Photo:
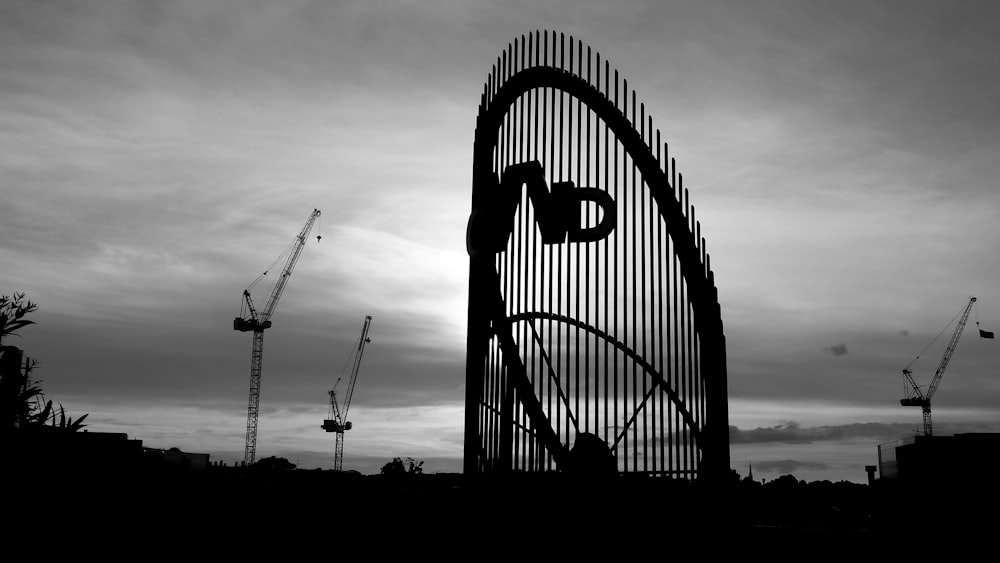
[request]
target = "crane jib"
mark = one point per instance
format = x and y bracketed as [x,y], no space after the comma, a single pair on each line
[338,422]
[915,397]
[256,323]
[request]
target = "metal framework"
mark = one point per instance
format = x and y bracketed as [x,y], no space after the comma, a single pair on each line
[917,398]
[336,419]
[593,312]
[250,321]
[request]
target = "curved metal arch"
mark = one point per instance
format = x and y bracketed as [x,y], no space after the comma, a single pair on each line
[700,282]
[487,316]
[631,354]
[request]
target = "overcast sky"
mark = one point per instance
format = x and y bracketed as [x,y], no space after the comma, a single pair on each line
[155,157]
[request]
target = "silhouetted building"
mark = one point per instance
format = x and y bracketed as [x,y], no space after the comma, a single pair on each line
[175,458]
[48,449]
[936,460]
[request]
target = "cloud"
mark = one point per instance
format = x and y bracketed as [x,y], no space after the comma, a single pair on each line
[792,433]
[788,466]
[837,350]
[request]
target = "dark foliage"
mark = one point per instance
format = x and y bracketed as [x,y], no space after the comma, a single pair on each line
[396,467]
[274,464]
[22,402]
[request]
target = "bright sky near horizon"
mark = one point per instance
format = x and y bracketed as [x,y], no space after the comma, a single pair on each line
[155,157]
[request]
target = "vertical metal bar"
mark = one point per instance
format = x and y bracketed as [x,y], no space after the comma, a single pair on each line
[682,374]
[492,402]
[511,418]
[541,102]
[678,317]
[668,339]
[635,307]
[550,166]
[690,334]
[684,337]
[532,154]
[653,307]
[574,151]
[530,281]
[660,250]
[642,285]
[502,455]
[484,453]
[522,267]
[691,382]
[483,414]
[510,63]
[533,51]
[516,302]
[701,375]
[606,186]
[682,315]
[674,290]
[495,404]
[650,308]
[496,397]
[515,68]
[699,395]
[559,249]
[626,268]
[529,347]
[586,285]
[614,262]
[600,265]
[520,113]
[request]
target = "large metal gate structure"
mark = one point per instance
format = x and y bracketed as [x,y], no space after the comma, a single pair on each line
[595,334]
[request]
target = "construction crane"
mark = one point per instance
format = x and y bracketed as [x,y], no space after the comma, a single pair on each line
[337,416]
[917,398]
[252,321]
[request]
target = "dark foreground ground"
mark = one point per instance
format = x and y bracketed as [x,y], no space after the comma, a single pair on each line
[237,512]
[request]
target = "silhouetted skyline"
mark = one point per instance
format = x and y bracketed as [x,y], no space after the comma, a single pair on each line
[155,158]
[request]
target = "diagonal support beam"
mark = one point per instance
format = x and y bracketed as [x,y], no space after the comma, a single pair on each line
[518,377]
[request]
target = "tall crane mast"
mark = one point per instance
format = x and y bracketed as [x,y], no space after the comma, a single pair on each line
[917,398]
[252,321]
[337,417]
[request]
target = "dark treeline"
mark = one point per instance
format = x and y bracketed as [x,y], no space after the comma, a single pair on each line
[153,497]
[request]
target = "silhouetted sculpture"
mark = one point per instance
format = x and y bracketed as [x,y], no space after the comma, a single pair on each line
[592,306]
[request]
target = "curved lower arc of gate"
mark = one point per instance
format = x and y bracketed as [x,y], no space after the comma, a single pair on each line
[658,378]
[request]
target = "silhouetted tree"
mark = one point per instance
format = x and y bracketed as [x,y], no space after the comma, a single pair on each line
[12,310]
[274,464]
[22,402]
[397,467]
